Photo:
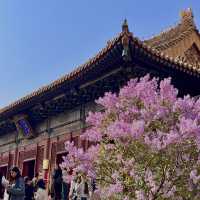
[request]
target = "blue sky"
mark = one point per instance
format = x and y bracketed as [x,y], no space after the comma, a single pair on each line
[41,40]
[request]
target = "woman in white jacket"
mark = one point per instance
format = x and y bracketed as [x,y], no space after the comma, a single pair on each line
[3,185]
[41,193]
[80,189]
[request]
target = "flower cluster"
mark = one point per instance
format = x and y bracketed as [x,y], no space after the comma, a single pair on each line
[147,143]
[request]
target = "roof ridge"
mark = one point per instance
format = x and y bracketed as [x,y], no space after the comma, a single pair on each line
[123,37]
[164,31]
[171,28]
[183,65]
[59,81]
[186,24]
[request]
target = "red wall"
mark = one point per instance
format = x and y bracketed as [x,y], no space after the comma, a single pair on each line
[45,149]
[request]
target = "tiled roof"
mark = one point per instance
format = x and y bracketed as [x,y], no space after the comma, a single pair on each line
[192,55]
[122,37]
[173,35]
[55,84]
[176,63]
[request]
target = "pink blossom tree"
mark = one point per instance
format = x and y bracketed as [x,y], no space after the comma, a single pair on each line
[147,144]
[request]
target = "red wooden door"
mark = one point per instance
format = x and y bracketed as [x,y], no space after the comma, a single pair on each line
[28,168]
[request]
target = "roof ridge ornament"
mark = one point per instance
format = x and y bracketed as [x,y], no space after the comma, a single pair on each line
[125,41]
[186,14]
[125,26]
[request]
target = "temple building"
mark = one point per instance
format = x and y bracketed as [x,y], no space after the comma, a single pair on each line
[33,129]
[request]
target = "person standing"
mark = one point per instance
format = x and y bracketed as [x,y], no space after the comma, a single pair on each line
[41,193]
[65,185]
[56,187]
[1,187]
[16,191]
[4,184]
[35,180]
[73,188]
[80,189]
[65,191]
[83,191]
[29,189]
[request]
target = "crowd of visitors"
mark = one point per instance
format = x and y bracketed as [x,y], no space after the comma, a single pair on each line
[24,188]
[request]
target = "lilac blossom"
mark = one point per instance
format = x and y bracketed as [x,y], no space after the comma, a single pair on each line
[146,144]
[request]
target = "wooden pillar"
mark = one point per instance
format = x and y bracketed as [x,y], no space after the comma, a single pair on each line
[16,156]
[36,159]
[9,164]
[46,159]
[47,149]
[84,143]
